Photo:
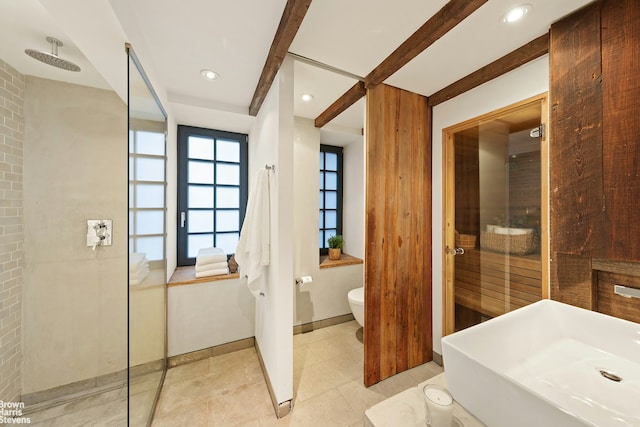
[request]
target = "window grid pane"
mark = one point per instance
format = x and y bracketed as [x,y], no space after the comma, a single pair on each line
[214,206]
[228,220]
[331,181]
[200,196]
[197,242]
[200,148]
[331,161]
[149,169]
[153,247]
[227,241]
[200,221]
[331,200]
[200,172]
[228,151]
[227,197]
[146,200]
[330,196]
[149,222]
[149,143]
[149,196]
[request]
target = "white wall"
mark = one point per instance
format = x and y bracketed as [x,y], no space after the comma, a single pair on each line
[353,198]
[204,315]
[213,313]
[326,296]
[271,142]
[522,83]
[75,298]
[493,147]
[171,241]
[306,152]
[147,319]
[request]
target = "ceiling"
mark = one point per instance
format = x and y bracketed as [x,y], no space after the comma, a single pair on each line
[175,40]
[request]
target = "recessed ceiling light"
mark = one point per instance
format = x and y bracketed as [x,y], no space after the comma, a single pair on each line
[516,14]
[307,97]
[209,75]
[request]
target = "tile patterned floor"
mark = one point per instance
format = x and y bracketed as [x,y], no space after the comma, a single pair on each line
[104,407]
[230,390]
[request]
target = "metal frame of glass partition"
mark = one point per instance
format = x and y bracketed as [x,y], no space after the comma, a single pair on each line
[133,65]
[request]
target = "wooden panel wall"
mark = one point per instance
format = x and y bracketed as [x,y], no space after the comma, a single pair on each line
[615,305]
[621,128]
[575,143]
[397,333]
[595,153]
[467,170]
[525,188]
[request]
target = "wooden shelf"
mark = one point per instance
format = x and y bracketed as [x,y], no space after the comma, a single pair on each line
[345,259]
[187,275]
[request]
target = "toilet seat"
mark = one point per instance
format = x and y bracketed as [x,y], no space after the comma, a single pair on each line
[356,302]
[356,296]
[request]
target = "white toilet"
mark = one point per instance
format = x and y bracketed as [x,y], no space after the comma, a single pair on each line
[356,302]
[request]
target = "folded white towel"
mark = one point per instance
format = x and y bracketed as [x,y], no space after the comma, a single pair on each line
[210,250]
[142,266]
[135,278]
[211,266]
[141,272]
[213,272]
[210,255]
[210,259]
[136,260]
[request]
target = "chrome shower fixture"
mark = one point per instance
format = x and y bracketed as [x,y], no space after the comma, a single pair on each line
[52,58]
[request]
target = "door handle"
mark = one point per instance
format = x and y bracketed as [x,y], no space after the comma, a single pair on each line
[183,218]
[454,251]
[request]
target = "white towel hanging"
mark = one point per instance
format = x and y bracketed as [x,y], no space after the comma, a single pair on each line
[253,250]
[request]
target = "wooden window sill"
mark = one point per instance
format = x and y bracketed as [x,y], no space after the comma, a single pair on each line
[187,276]
[345,259]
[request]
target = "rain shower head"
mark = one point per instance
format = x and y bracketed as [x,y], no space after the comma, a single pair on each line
[52,58]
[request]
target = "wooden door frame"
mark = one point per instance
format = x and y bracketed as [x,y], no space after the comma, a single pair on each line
[448,205]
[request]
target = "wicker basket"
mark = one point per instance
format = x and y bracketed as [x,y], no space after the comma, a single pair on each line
[514,244]
[466,241]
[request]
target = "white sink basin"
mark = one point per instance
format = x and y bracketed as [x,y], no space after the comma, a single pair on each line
[547,365]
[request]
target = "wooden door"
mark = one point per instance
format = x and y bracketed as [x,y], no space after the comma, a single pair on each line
[495,214]
[397,332]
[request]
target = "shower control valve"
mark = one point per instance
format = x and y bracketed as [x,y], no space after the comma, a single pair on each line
[99,232]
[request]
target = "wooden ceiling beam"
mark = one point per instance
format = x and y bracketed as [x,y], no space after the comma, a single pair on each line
[349,98]
[292,17]
[451,14]
[530,51]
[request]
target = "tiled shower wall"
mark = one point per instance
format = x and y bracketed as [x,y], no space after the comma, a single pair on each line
[12,86]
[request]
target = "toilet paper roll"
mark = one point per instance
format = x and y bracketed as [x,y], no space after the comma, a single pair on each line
[304,282]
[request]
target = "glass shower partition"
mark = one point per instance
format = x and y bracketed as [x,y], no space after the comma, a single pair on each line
[147,245]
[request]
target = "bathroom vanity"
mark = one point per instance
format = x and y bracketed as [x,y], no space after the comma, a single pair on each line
[547,364]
